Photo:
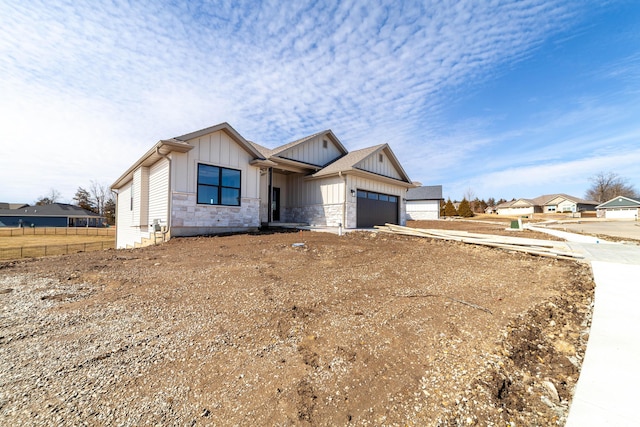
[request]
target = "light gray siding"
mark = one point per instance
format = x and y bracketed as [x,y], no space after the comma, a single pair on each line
[313,151]
[374,164]
[159,192]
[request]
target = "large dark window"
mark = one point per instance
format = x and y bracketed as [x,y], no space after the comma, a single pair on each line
[218,186]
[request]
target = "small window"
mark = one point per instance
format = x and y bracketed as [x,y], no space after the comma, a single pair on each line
[380,158]
[372,196]
[218,186]
[393,199]
[362,194]
[383,197]
[325,144]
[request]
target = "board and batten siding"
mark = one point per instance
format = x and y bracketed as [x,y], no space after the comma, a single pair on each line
[374,165]
[217,149]
[314,192]
[158,192]
[313,151]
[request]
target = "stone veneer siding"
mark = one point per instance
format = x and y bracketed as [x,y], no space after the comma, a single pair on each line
[189,218]
[324,215]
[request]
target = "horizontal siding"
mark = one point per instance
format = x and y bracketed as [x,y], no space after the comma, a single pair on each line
[158,191]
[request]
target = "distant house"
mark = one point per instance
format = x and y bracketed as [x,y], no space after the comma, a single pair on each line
[53,215]
[12,205]
[548,203]
[215,181]
[424,202]
[619,207]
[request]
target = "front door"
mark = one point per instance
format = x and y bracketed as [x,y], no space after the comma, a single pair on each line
[275,204]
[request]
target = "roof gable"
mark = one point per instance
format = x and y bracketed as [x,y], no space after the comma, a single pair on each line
[183,144]
[365,160]
[620,202]
[229,130]
[318,149]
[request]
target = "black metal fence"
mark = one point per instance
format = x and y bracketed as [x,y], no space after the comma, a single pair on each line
[39,251]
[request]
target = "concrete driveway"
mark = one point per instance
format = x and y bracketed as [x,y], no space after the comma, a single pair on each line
[623,229]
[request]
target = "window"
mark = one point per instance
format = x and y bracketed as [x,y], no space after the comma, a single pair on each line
[381,158]
[218,186]
[325,144]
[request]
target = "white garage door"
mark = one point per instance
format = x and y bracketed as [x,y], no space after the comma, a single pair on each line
[621,213]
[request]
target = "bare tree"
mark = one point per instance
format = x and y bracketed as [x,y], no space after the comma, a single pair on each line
[470,197]
[607,185]
[99,195]
[48,199]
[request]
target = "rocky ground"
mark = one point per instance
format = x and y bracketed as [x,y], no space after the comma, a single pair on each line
[292,329]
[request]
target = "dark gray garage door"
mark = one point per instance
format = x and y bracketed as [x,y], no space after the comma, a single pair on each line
[376,209]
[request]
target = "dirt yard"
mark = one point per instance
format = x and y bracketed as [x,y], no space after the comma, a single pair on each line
[292,329]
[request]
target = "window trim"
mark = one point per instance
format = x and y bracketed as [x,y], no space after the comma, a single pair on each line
[219,187]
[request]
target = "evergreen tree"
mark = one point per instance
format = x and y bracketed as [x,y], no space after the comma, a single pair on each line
[464,210]
[449,209]
[83,199]
[110,210]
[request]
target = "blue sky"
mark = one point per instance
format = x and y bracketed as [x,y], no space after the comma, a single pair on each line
[503,98]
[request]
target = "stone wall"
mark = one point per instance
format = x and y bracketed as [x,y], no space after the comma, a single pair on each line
[189,218]
[322,215]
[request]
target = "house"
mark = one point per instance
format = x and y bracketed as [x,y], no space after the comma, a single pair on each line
[214,181]
[53,215]
[619,207]
[424,202]
[548,203]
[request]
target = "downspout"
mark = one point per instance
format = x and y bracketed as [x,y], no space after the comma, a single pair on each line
[115,214]
[170,199]
[270,198]
[344,204]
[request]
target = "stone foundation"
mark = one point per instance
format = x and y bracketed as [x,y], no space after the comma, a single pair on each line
[190,219]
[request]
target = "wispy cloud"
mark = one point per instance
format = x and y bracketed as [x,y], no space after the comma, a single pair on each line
[100,82]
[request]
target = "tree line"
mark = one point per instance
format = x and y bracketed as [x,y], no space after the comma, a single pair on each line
[96,198]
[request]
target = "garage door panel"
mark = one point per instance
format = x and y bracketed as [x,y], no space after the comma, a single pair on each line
[376,209]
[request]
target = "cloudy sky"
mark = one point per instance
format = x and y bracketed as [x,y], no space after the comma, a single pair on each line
[503,98]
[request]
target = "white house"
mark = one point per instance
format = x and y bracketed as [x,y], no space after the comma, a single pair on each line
[548,203]
[214,180]
[424,202]
[619,207]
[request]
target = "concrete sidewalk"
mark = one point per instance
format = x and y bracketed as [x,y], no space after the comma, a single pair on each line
[606,393]
[607,390]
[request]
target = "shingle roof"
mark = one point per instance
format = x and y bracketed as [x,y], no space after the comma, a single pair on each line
[426,192]
[55,209]
[348,161]
[546,198]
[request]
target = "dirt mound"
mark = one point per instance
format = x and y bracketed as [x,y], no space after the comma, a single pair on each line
[362,329]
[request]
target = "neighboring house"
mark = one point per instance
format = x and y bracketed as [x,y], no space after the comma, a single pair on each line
[619,208]
[424,202]
[12,205]
[53,215]
[490,210]
[214,181]
[548,203]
